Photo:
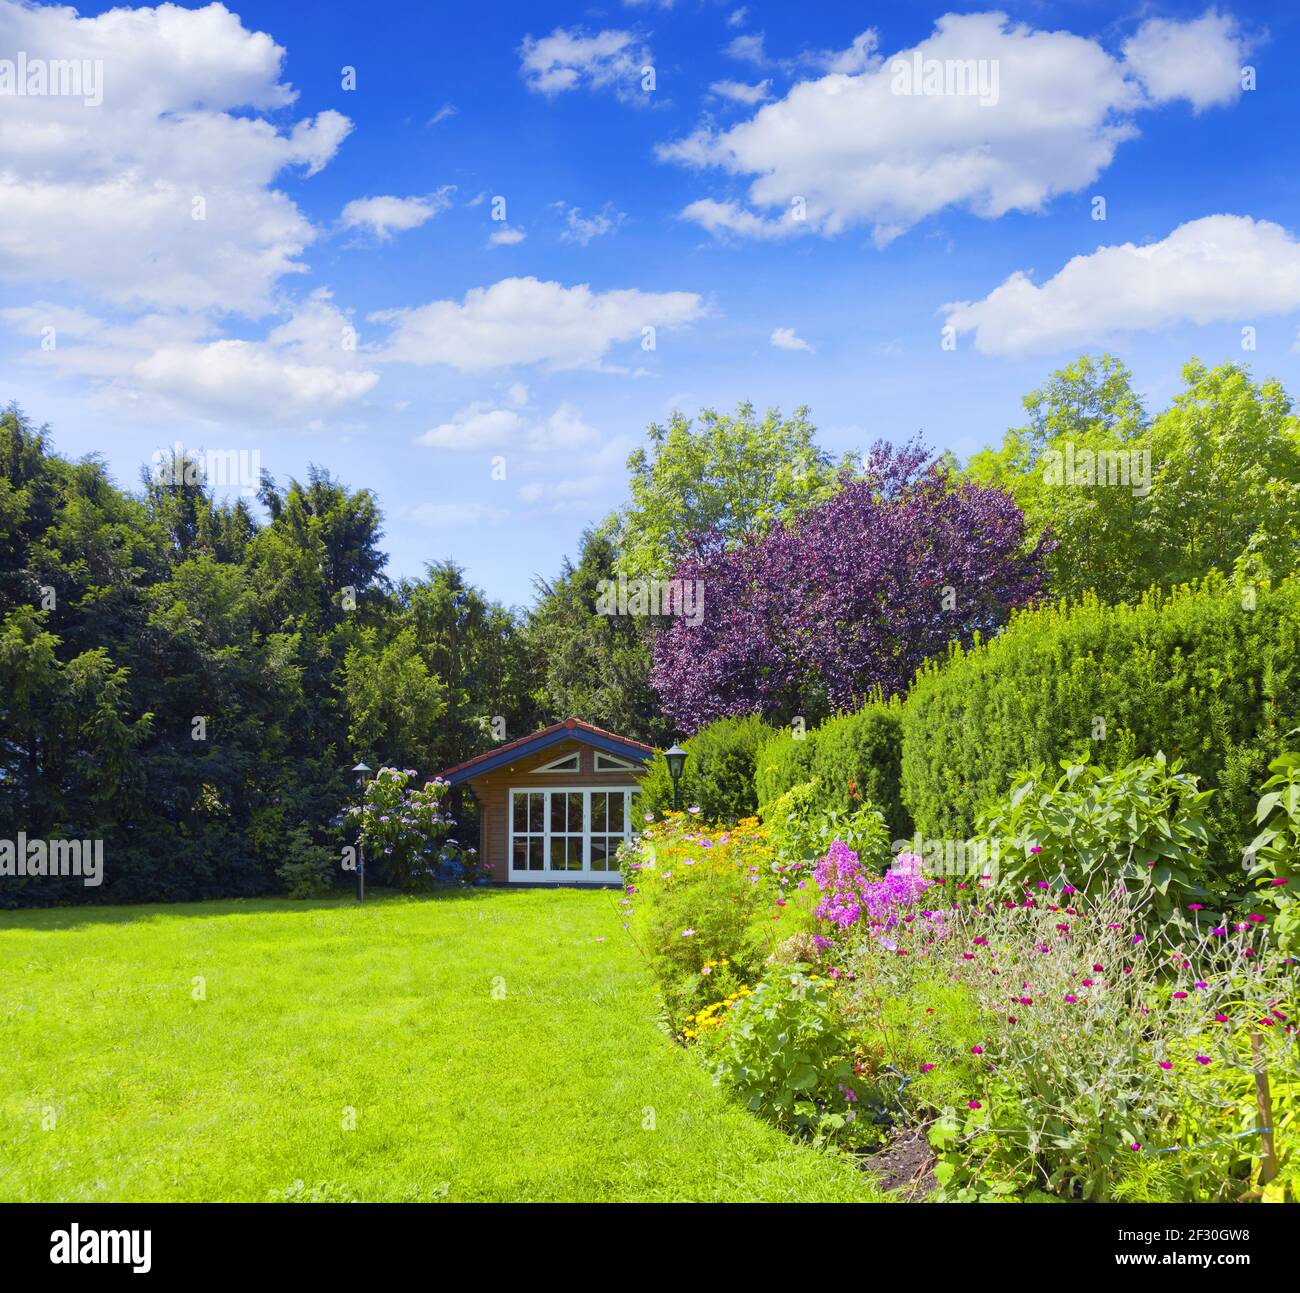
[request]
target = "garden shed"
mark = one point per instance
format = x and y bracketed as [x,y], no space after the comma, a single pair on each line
[555,806]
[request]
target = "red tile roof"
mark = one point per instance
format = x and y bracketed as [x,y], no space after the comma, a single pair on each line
[574,725]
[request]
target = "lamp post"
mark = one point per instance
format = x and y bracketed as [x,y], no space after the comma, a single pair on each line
[676,761]
[360,771]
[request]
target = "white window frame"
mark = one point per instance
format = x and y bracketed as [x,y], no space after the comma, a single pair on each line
[546,875]
[557,765]
[608,763]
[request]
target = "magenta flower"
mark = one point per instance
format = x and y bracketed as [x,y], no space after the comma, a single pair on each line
[1038,848]
[1070,999]
[1135,1146]
[925,1068]
[977,1050]
[973,1104]
[1220,1019]
[1202,1059]
[1278,881]
[1165,1064]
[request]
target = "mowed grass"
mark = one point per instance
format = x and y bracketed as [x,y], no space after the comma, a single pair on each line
[557,1086]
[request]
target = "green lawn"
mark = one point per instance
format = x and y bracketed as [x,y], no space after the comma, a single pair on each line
[559,1086]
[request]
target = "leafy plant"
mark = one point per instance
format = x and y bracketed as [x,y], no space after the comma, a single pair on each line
[786,1054]
[308,870]
[405,831]
[1142,826]
[1275,851]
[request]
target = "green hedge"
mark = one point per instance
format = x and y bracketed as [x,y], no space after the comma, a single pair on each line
[719,772]
[862,748]
[1194,672]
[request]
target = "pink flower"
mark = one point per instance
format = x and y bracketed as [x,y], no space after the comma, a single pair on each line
[1220,1019]
[1071,1000]
[688,933]
[1165,1064]
[1180,996]
[1135,1146]
[1278,881]
[1202,1059]
[1038,848]
[973,1104]
[925,1068]
[977,1050]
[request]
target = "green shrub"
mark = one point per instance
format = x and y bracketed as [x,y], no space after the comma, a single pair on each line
[854,757]
[1274,853]
[801,830]
[785,1053]
[783,761]
[1207,673]
[1142,827]
[696,899]
[307,869]
[719,774]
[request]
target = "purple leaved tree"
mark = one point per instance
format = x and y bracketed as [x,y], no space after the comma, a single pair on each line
[815,615]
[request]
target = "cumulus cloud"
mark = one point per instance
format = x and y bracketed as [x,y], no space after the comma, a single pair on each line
[583,229]
[304,368]
[786,339]
[484,426]
[859,148]
[1199,61]
[570,60]
[741,92]
[723,218]
[528,321]
[162,196]
[506,236]
[383,216]
[1221,268]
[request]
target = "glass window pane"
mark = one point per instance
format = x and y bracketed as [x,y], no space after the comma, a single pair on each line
[557,812]
[520,812]
[616,813]
[598,805]
[536,811]
[601,852]
[519,858]
[575,811]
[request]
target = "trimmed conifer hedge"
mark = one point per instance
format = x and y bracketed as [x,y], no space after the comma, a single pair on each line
[849,753]
[1208,673]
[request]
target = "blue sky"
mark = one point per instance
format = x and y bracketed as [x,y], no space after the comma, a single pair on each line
[347,297]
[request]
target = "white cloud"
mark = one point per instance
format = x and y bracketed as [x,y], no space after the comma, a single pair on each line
[304,368]
[740,92]
[231,377]
[1221,268]
[447,110]
[1199,61]
[383,216]
[506,236]
[785,339]
[736,18]
[528,321]
[103,199]
[747,49]
[859,153]
[570,59]
[722,218]
[582,229]
[484,426]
